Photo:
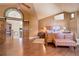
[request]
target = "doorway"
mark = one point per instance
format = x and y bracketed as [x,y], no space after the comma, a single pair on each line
[14,28]
[14,23]
[14,32]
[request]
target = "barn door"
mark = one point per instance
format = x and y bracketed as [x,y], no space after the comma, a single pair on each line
[2,30]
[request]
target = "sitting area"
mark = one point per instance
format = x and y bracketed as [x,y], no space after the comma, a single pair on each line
[61,38]
[65,39]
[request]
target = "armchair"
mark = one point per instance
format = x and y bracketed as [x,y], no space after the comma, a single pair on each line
[65,39]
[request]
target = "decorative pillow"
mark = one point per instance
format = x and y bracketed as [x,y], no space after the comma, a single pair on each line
[59,35]
[68,35]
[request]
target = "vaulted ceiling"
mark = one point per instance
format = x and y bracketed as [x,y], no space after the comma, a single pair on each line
[44,9]
[47,9]
[68,7]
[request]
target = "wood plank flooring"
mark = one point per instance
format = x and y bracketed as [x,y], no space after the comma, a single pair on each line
[16,47]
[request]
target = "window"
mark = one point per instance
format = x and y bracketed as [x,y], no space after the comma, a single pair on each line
[72,15]
[59,17]
[14,13]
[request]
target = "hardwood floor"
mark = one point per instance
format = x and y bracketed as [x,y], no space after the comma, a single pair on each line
[11,47]
[38,50]
[15,47]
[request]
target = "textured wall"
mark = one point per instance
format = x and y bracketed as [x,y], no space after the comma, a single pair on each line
[29,15]
[50,21]
[77,18]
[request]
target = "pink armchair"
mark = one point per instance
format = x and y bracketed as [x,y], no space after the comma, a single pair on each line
[65,39]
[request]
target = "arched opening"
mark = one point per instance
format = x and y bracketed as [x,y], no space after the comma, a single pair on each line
[14,23]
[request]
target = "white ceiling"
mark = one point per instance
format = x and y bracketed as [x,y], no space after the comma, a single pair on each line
[47,9]
[68,7]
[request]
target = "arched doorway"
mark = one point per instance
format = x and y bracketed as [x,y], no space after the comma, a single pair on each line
[14,23]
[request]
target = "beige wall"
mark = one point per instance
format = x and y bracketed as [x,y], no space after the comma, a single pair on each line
[77,19]
[33,23]
[46,9]
[29,15]
[50,21]
[73,24]
[33,27]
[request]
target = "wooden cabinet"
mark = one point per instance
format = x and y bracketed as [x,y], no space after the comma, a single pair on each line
[2,30]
